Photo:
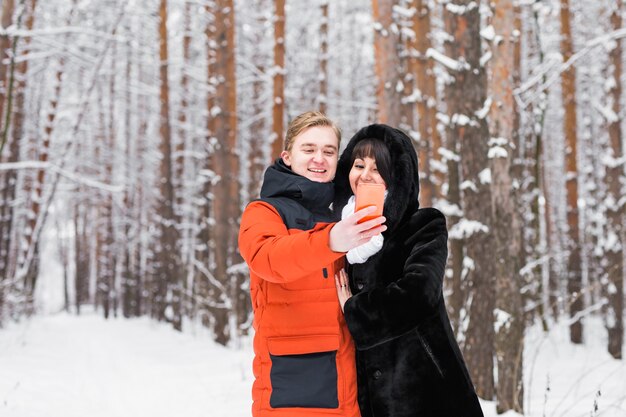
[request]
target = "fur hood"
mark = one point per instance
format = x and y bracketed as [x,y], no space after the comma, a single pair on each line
[403,192]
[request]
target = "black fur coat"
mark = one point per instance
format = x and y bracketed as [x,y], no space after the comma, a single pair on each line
[408,361]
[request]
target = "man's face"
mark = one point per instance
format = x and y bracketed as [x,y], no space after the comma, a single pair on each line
[314,154]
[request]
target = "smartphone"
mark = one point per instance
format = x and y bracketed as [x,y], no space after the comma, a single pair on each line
[370,194]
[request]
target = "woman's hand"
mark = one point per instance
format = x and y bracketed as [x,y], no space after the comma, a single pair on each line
[343,289]
[349,233]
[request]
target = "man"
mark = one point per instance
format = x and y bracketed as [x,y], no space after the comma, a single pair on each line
[304,362]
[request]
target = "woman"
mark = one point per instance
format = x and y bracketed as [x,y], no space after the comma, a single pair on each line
[408,362]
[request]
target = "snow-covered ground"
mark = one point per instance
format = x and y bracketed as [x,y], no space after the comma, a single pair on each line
[67,366]
[566,380]
[61,365]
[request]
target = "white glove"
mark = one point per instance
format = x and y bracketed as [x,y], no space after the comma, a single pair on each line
[361,253]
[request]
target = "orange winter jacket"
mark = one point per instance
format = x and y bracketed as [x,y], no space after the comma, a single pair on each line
[304,361]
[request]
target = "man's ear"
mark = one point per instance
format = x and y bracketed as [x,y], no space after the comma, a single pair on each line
[286,158]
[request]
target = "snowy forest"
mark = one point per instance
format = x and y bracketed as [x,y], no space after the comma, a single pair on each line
[134,133]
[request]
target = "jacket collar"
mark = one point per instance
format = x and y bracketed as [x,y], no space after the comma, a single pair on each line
[281,181]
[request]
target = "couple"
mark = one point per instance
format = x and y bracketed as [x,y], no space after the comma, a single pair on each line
[341,305]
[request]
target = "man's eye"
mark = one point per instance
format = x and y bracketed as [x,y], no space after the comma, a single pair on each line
[308,150]
[329,153]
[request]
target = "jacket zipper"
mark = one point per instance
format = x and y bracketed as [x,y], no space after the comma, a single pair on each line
[430,354]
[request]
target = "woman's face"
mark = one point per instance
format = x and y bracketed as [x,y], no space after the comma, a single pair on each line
[364,170]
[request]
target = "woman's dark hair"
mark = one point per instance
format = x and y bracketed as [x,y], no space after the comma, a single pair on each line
[377,150]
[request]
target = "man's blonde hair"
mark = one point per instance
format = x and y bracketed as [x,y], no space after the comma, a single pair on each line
[306,120]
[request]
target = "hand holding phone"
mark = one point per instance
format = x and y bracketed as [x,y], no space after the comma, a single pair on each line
[370,194]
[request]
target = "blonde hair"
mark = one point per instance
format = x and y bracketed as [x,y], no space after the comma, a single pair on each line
[306,120]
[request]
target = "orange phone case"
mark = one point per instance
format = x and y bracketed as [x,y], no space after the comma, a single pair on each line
[369,194]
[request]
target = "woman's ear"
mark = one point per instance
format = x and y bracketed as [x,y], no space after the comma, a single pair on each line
[286,156]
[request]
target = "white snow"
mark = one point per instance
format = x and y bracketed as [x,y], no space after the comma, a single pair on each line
[612,242]
[416,96]
[488,33]
[438,166]
[482,113]
[574,374]
[446,61]
[610,162]
[607,112]
[485,176]
[67,366]
[503,318]
[448,155]
[461,119]
[405,12]
[497,152]
[443,118]
[449,210]
[81,179]
[407,33]
[461,10]
[61,365]
[498,148]
[486,57]
[466,228]
[469,185]
[609,84]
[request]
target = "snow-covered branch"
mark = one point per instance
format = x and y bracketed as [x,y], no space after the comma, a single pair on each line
[446,61]
[13,31]
[111,188]
[556,72]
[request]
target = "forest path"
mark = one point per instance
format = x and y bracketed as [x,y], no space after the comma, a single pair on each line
[65,366]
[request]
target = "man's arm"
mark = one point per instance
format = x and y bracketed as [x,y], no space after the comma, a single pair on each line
[275,255]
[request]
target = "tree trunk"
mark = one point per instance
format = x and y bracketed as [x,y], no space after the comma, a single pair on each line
[167,252]
[506,224]
[9,178]
[574,276]
[140,255]
[278,105]
[615,211]
[466,100]
[323,96]
[205,249]
[431,169]
[31,245]
[101,216]
[128,284]
[110,252]
[29,268]
[182,200]
[535,242]
[81,256]
[258,144]
[459,288]
[226,166]
[63,253]
[387,63]
[8,8]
